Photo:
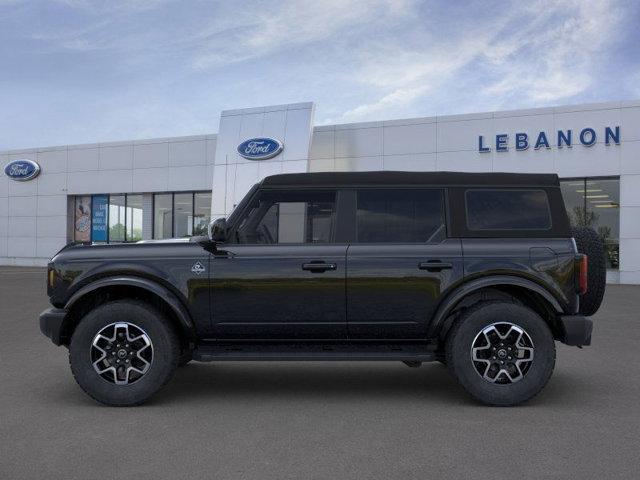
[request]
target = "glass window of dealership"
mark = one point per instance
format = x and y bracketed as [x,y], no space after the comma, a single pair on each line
[595,202]
[590,201]
[119,218]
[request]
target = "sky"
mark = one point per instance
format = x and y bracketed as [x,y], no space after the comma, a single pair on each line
[80,71]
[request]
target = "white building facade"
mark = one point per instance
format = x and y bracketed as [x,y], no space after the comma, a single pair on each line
[171,187]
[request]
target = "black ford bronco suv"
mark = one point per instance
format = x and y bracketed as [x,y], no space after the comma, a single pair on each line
[481,272]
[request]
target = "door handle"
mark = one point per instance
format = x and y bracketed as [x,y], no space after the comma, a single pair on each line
[318,267]
[435,266]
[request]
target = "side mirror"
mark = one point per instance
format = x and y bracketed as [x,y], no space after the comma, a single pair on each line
[218,230]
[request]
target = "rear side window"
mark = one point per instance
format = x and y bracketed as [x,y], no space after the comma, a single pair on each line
[507,209]
[400,216]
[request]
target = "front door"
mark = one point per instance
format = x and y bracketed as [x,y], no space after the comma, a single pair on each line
[400,263]
[281,276]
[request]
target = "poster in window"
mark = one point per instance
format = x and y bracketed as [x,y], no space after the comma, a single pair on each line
[82,220]
[99,209]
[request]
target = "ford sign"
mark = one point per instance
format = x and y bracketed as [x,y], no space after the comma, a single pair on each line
[22,170]
[260,148]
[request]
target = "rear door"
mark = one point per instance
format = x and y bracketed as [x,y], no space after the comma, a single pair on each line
[400,262]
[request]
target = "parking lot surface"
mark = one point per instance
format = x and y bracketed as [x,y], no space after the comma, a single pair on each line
[317,420]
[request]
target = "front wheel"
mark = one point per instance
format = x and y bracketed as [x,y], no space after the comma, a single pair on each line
[502,353]
[122,352]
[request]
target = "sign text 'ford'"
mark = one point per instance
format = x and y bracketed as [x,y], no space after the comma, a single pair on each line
[260,148]
[22,170]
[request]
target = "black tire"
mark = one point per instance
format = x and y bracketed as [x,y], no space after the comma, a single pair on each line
[459,353]
[165,348]
[590,243]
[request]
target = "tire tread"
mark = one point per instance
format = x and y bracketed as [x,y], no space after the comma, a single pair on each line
[174,345]
[453,366]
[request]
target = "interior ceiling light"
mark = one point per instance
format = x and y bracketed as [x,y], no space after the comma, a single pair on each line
[589,190]
[597,196]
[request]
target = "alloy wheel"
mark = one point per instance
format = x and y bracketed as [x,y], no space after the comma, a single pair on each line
[502,353]
[121,353]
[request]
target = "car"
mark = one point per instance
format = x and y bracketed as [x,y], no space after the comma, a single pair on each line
[479,271]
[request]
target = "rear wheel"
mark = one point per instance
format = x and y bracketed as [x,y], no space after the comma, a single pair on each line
[502,353]
[122,352]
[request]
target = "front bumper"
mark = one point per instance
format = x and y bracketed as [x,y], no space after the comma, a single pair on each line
[51,321]
[576,330]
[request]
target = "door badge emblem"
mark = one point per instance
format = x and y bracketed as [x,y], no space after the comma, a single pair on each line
[198,268]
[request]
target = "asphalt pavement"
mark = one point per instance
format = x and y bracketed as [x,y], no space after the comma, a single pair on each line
[317,420]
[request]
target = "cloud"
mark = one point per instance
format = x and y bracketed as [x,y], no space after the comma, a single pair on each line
[555,63]
[399,97]
[90,6]
[542,52]
[126,69]
[208,34]
[406,76]
[288,24]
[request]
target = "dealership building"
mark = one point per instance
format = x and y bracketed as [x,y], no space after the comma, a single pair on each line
[171,187]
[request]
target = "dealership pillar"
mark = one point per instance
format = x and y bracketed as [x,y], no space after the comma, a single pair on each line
[233,175]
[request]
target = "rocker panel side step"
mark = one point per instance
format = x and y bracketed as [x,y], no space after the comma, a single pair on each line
[314,352]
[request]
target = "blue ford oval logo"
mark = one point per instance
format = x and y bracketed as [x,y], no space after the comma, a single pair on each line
[22,170]
[260,148]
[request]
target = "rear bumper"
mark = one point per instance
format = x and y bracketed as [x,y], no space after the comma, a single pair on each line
[51,321]
[576,330]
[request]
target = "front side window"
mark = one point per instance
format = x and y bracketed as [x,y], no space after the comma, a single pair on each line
[289,217]
[400,216]
[507,209]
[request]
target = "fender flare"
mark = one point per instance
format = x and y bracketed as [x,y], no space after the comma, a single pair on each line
[465,289]
[184,318]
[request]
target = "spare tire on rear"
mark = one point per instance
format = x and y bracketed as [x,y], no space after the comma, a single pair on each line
[590,244]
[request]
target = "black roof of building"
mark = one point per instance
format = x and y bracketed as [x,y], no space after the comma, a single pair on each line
[412,178]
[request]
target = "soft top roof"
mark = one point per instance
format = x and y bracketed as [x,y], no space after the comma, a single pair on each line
[412,178]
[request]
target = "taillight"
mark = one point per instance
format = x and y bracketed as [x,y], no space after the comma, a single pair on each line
[583,274]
